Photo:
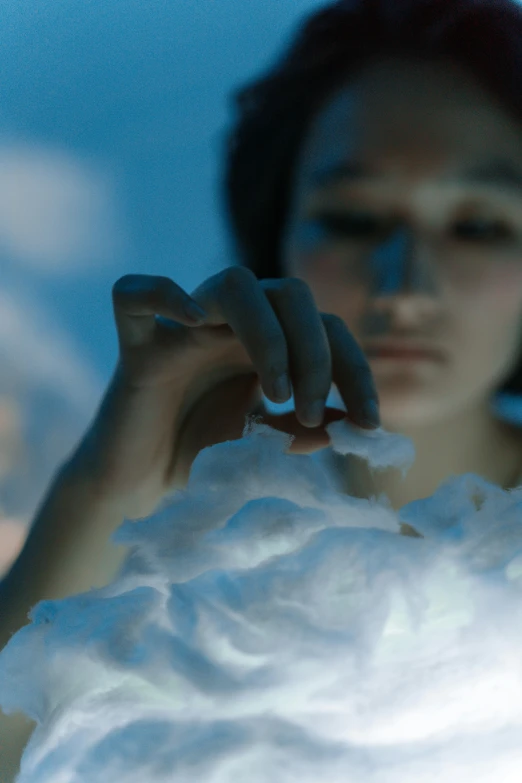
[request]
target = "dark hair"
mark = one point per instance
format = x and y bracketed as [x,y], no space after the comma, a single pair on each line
[331,45]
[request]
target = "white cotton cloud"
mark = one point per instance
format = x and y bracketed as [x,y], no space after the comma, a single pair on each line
[266,628]
[57,213]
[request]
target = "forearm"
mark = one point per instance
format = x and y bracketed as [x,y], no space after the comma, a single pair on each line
[68,551]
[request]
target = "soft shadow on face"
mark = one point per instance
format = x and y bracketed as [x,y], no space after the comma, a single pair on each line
[406,221]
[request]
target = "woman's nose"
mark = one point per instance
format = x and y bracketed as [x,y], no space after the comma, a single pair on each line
[397,266]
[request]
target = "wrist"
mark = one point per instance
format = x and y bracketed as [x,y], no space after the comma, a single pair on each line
[76,479]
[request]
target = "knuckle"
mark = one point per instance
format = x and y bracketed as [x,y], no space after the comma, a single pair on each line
[141,284]
[318,366]
[162,283]
[333,321]
[235,277]
[124,284]
[295,286]
[161,289]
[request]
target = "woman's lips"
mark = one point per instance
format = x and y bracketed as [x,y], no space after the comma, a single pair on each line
[403,354]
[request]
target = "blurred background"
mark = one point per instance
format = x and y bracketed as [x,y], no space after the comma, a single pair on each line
[112,120]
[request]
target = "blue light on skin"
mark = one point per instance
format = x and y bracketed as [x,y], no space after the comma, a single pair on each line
[389,265]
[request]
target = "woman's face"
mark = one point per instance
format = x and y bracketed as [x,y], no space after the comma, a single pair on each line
[406,221]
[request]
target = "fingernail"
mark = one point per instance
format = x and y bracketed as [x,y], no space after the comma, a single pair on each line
[372,418]
[282,387]
[314,413]
[195,312]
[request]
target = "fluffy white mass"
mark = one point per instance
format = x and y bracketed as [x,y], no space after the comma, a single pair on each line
[267,629]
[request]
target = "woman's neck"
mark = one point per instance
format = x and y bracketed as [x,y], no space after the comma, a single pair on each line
[473,441]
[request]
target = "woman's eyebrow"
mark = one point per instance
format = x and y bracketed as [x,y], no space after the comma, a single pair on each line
[498,173]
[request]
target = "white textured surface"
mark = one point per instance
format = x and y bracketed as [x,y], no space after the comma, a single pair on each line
[268,629]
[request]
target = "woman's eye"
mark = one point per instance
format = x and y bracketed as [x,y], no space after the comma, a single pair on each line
[366,226]
[482,230]
[353,226]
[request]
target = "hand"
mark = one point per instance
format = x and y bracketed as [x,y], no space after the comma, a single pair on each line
[181,385]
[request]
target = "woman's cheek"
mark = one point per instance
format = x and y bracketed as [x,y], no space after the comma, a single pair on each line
[336,286]
[506,284]
[330,268]
[483,275]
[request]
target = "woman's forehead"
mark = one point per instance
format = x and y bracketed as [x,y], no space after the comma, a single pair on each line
[388,120]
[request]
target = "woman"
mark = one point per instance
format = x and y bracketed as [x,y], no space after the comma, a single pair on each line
[374,185]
